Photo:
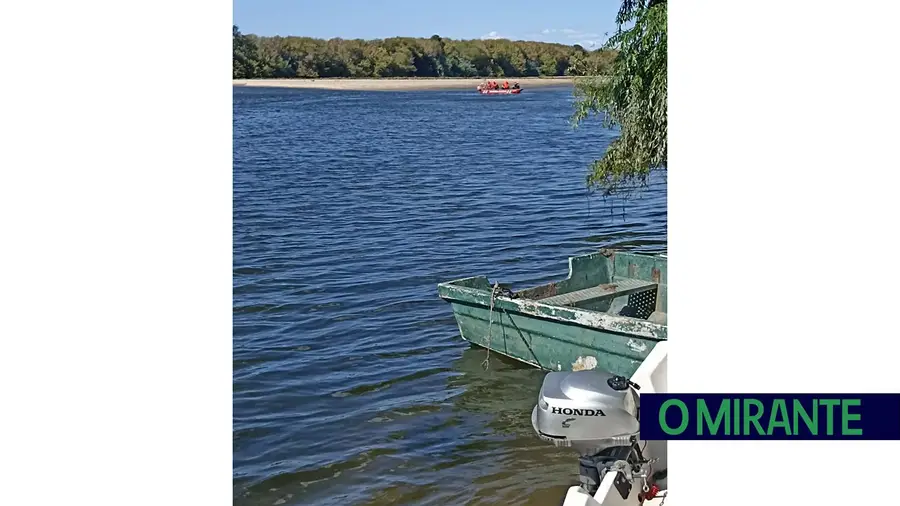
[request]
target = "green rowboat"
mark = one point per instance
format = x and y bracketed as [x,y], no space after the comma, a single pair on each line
[609,314]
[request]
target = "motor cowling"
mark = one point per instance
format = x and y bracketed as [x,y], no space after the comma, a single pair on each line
[598,415]
[588,411]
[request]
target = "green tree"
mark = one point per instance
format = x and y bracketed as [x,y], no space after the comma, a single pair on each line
[633,98]
[245,55]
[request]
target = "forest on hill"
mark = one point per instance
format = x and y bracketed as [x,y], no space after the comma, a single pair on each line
[306,57]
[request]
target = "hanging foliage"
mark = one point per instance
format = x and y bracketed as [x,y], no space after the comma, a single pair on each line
[632,99]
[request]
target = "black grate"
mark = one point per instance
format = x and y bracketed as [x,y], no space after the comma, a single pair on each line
[640,305]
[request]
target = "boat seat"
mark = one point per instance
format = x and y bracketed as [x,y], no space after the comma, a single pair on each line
[618,288]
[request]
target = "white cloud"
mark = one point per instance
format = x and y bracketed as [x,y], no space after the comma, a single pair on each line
[492,36]
[576,36]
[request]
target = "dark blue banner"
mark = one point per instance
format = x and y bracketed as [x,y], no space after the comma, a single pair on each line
[770,416]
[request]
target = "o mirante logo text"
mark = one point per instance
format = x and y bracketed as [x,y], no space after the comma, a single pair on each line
[753,416]
[770,416]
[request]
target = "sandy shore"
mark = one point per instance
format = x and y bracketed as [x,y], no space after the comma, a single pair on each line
[396,84]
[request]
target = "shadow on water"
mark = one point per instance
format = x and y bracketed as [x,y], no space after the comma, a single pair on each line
[512,465]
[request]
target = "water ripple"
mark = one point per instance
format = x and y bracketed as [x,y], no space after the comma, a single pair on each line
[350,380]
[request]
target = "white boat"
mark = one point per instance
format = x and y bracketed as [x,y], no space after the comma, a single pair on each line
[604,429]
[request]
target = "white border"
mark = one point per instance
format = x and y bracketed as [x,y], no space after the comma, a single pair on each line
[115,212]
[783,209]
[116,219]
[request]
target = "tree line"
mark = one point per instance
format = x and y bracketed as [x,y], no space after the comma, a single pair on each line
[306,57]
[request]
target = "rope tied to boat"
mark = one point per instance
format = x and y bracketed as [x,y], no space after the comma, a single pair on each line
[487,359]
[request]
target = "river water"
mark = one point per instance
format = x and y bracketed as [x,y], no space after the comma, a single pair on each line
[351,383]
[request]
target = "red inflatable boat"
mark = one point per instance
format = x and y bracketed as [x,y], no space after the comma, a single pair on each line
[494,88]
[510,91]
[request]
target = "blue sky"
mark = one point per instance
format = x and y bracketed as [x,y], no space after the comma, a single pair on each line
[584,22]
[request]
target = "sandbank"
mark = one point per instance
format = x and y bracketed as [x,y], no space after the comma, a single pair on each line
[388,84]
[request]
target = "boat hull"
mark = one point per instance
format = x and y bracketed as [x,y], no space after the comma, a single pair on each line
[501,92]
[562,338]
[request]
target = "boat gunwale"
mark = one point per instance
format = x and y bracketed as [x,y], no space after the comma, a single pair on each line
[569,315]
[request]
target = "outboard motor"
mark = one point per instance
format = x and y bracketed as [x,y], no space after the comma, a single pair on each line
[598,415]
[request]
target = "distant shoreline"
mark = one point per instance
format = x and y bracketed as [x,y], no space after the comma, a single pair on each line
[397,84]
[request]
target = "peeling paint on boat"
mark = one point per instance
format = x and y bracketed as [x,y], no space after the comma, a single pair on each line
[584,364]
[637,346]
